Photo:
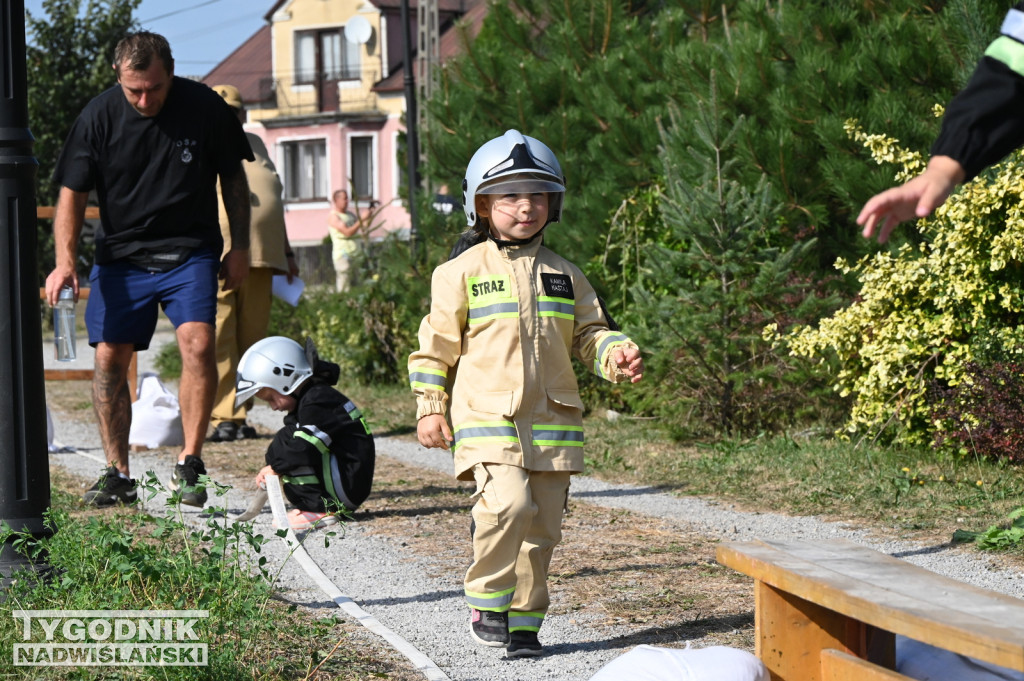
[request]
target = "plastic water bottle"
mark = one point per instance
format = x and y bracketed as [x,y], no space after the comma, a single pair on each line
[64,326]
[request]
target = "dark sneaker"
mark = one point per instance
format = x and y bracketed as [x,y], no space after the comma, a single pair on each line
[111,489]
[186,478]
[246,432]
[489,628]
[524,644]
[225,431]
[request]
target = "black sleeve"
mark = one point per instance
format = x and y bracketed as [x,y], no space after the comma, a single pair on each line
[288,453]
[983,122]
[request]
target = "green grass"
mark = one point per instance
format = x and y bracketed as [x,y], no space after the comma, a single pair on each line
[911,490]
[124,559]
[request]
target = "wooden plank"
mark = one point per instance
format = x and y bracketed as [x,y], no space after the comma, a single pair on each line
[47,212]
[839,666]
[790,633]
[67,374]
[890,594]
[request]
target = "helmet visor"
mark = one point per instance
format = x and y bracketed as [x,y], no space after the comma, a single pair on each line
[522,184]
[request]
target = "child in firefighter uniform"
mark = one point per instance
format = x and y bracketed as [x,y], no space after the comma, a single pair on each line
[510,315]
[324,453]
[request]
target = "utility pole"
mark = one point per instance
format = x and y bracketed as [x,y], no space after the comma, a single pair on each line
[24,460]
[411,138]
[428,59]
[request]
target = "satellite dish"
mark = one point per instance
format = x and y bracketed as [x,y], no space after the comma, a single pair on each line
[358,30]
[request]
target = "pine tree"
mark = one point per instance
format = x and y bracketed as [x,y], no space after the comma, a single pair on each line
[717,280]
[593,77]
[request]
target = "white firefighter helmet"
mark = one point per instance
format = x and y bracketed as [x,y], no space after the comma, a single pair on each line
[276,362]
[513,163]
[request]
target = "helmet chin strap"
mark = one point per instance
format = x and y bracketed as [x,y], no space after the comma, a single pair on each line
[504,243]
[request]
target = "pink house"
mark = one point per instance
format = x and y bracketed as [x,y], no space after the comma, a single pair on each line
[322,84]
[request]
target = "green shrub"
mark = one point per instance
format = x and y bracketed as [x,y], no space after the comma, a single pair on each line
[924,312]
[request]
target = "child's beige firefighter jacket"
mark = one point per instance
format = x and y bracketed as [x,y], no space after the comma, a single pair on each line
[511,319]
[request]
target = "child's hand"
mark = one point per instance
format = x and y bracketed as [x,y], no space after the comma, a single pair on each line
[261,477]
[432,431]
[629,362]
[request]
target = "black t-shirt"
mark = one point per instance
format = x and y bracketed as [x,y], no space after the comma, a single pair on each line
[155,177]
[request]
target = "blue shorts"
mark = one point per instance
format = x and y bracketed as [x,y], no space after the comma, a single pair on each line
[124,298]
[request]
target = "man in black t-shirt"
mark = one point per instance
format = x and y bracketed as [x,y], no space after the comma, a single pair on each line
[152,147]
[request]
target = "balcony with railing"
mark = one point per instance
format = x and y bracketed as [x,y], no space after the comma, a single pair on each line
[345,92]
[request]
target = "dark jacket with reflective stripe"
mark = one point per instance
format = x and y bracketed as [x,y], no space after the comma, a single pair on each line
[324,424]
[511,319]
[985,121]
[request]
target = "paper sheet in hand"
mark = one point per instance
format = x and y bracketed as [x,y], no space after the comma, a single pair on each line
[289,293]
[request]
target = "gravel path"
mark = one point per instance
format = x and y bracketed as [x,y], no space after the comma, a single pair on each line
[407,595]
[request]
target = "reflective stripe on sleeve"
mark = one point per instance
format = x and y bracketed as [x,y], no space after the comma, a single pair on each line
[558,436]
[1008,51]
[606,346]
[428,379]
[316,437]
[356,415]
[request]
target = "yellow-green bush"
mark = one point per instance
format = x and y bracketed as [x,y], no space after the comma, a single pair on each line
[924,311]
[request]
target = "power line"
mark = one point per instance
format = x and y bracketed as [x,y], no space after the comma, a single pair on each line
[179,11]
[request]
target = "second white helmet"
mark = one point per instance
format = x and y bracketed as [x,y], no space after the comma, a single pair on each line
[276,362]
[513,163]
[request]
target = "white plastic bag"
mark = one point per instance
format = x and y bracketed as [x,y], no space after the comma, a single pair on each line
[156,416]
[654,663]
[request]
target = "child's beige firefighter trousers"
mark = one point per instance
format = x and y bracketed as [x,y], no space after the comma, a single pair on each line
[518,517]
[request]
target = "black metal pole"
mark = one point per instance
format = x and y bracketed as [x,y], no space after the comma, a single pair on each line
[411,138]
[24,459]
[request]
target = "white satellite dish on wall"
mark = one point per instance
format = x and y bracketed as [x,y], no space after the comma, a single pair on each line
[358,30]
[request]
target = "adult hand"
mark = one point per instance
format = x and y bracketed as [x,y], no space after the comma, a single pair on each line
[234,269]
[916,198]
[58,279]
[433,431]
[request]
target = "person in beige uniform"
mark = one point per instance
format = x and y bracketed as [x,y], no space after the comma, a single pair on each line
[512,314]
[243,314]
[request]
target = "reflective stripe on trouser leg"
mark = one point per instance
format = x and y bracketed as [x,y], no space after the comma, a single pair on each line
[548,489]
[525,621]
[503,512]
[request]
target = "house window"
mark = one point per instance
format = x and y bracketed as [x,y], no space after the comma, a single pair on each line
[361,153]
[325,55]
[305,170]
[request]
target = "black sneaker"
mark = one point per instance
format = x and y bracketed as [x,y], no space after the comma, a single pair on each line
[246,432]
[111,489]
[489,628]
[524,644]
[225,431]
[186,478]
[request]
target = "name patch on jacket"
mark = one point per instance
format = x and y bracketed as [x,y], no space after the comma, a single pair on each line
[489,286]
[557,285]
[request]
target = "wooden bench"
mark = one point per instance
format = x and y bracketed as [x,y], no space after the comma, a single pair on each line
[830,610]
